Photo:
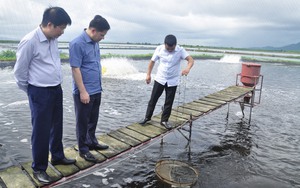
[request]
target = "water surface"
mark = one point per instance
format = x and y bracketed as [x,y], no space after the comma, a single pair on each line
[227,153]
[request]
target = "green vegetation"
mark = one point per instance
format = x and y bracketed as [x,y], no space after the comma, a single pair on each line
[10,55]
[269,60]
[204,53]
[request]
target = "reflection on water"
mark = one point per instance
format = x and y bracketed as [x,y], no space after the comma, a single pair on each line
[227,153]
[236,137]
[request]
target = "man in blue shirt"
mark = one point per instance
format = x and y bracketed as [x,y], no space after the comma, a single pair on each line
[86,69]
[169,56]
[38,73]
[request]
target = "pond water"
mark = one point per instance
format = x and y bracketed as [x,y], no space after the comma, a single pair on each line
[227,153]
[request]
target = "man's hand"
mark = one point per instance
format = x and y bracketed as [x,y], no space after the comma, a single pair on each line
[84,97]
[185,72]
[148,79]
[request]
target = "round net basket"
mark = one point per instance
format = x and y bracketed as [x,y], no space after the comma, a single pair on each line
[176,173]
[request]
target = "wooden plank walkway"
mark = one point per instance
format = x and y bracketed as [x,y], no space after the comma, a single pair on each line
[123,139]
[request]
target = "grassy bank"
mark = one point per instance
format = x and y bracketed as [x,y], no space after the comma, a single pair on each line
[10,56]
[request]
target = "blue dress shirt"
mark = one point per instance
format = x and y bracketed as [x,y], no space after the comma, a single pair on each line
[85,54]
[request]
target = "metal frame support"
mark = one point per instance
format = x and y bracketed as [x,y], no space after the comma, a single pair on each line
[249,101]
[189,138]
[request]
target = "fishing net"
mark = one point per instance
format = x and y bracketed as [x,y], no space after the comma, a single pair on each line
[176,173]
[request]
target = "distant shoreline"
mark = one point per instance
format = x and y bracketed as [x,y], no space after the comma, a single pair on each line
[5,64]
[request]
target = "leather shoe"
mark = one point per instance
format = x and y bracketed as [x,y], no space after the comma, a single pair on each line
[88,157]
[42,177]
[63,161]
[98,147]
[144,121]
[166,124]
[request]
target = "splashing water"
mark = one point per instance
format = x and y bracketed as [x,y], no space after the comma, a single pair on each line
[120,68]
[230,59]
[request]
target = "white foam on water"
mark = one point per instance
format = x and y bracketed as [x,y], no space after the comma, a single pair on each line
[239,114]
[85,185]
[112,111]
[9,123]
[127,180]
[230,59]
[17,103]
[116,185]
[24,140]
[105,181]
[120,68]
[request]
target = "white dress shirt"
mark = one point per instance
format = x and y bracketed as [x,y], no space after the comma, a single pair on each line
[168,70]
[38,61]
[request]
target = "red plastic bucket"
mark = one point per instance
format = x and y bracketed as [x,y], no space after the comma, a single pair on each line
[250,74]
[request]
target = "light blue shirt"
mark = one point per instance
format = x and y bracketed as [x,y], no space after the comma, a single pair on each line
[85,54]
[168,70]
[38,61]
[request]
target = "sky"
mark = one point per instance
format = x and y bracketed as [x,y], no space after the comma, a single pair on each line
[219,23]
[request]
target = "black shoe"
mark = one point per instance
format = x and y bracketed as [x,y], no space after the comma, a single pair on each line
[63,161]
[144,121]
[98,147]
[88,157]
[166,124]
[42,177]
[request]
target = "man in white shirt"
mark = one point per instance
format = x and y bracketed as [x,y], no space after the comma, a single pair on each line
[169,56]
[38,72]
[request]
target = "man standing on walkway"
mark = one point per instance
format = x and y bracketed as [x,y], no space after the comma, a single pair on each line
[169,56]
[87,87]
[38,73]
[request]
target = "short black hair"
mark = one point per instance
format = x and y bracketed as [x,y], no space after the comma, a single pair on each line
[56,15]
[99,23]
[170,40]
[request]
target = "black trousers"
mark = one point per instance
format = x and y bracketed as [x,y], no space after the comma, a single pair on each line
[156,93]
[46,105]
[86,121]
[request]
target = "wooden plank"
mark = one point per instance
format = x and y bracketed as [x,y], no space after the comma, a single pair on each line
[49,171]
[113,149]
[156,122]
[210,104]
[187,111]
[238,88]
[124,138]
[81,163]
[134,134]
[67,170]
[174,120]
[177,121]
[219,97]
[235,94]
[199,107]
[108,153]
[180,115]
[235,91]
[113,143]
[219,102]
[15,177]
[148,130]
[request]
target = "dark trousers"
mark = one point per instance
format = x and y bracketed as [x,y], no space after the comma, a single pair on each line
[156,93]
[46,116]
[86,121]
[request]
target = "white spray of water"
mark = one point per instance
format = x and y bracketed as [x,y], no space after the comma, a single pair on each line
[17,103]
[230,59]
[120,68]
